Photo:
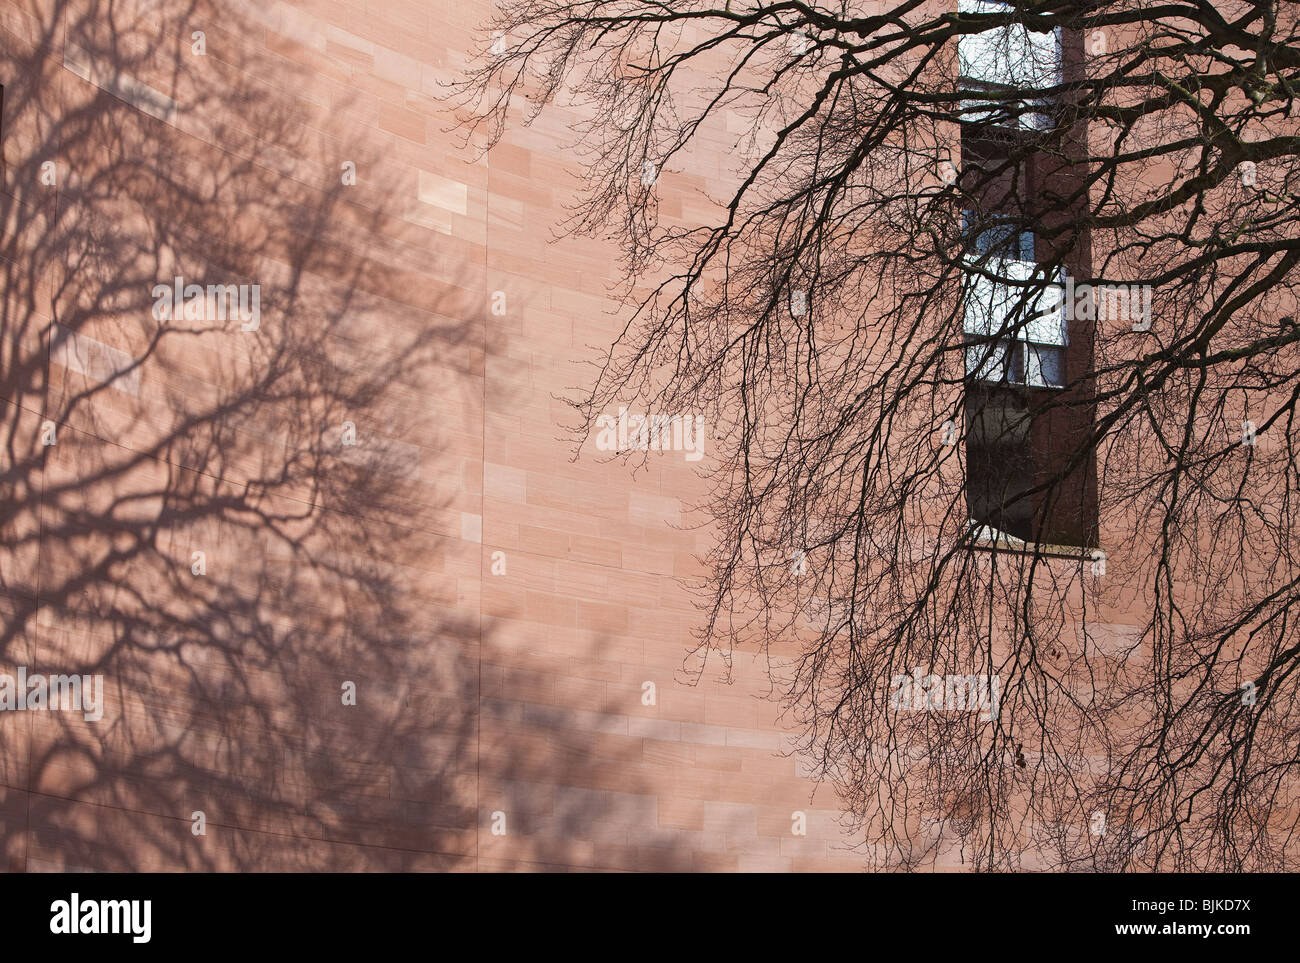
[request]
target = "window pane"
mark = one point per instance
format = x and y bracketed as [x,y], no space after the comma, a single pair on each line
[1047,323]
[1010,55]
[992,303]
[1045,366]
[1003,306]
[987,361]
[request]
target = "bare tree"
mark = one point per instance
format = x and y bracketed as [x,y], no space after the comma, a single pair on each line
[911,479]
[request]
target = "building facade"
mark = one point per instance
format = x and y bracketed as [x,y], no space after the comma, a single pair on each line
[299,571]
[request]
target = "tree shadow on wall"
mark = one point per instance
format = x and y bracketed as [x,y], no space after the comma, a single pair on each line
[239,521]
[236,517]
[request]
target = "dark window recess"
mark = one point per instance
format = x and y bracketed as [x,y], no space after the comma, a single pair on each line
[999,461]
[1022,474]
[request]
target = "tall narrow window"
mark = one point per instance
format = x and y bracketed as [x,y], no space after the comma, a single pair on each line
[1026,415]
